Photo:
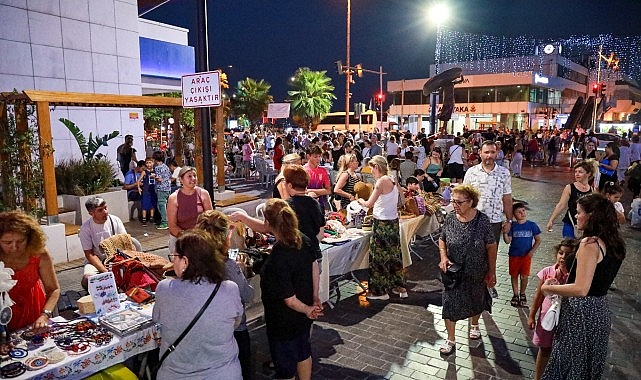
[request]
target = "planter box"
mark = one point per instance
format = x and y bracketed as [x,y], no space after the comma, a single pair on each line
[56,243]
[116,202]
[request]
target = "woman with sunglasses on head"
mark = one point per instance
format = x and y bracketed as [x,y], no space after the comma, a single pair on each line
[23,250]
[185,204]
[209,349]
[580,346]
[386,263]
[468,241]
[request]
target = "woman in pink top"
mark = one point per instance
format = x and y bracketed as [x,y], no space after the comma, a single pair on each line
[185,204]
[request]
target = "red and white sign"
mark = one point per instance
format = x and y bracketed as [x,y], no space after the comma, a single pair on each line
[201,90]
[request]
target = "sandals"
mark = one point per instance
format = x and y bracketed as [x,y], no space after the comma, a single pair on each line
[523,300]
[475,332]
[447,347]
[516,301]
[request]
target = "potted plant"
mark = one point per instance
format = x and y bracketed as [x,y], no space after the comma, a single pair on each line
[92,175]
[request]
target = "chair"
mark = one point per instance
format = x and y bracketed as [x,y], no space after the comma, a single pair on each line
[231,210]
[260,211]
[266,174]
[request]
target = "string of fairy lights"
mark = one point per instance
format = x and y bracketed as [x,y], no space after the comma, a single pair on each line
[498,54]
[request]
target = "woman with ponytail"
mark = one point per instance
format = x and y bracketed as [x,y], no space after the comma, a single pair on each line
[287,288]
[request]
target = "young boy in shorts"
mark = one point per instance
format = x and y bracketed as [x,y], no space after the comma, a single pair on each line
[524,239]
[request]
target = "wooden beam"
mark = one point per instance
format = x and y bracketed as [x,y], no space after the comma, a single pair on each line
[24,152]
[46,155]
[6,171]
[79,99]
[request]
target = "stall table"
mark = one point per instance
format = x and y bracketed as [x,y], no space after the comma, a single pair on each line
[97,358]
[340,261]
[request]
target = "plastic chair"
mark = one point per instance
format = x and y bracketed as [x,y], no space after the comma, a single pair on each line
[238,161]
[260,211]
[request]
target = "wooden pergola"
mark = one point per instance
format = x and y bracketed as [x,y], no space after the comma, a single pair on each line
[44,99]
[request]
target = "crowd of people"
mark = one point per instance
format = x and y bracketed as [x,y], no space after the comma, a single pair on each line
[318,175]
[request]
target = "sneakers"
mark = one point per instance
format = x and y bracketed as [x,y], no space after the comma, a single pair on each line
[162,226]
[382,297]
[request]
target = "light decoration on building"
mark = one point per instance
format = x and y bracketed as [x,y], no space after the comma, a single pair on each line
[476,53]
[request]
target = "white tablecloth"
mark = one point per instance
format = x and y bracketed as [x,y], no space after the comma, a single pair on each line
[98,358]
[343,259]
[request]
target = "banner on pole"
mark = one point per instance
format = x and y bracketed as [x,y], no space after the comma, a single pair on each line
[278,110]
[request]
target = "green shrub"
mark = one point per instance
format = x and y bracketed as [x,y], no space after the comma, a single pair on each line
[78,177]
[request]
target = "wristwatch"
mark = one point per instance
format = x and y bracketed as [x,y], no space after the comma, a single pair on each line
[48,313]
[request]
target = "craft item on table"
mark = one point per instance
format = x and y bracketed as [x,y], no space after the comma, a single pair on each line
[335,240]
[368,222]
[363,190]
[339,216]
[356,213]
[104,293]
[18,353]
[36,363]
[53,354]
[125,321]
[130,271]
[139,295]
[13,369]
[6,284]
[85,305]
[334,227]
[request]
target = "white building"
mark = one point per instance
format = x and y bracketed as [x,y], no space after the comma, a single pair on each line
[90,46]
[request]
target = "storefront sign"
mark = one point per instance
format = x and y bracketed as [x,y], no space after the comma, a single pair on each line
[201,90]
[540,79]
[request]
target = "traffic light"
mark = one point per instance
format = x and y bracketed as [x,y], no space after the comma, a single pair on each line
[602,89]
[595,88]
[359,70]
[339,68]
[224,83]
[380,98]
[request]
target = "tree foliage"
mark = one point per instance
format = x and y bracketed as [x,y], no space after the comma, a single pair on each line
[311,97]
[155,116]
[88,147]
[252,98]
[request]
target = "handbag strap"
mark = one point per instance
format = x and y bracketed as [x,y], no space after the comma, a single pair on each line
[172,347]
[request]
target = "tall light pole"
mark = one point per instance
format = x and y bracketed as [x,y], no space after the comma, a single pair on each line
[438,14]
[348,73]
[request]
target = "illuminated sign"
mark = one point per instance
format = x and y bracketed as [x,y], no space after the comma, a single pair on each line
[541,79]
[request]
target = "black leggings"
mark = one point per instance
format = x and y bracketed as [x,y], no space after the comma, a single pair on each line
[244,353]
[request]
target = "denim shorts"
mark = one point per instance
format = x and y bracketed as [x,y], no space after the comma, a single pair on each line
[286,354]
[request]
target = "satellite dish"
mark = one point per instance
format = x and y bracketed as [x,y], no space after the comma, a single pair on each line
[445,78]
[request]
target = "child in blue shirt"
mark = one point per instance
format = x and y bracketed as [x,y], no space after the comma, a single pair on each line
[524,239]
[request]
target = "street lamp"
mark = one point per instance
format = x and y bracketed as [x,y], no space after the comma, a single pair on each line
[348,73]
[438,13]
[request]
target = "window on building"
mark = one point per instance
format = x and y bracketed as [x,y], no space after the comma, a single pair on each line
[460,95]
[512,94]
[482,95]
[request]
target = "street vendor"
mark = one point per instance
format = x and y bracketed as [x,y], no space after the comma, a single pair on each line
[23,252]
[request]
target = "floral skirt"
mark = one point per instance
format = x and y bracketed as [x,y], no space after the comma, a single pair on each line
[385,257]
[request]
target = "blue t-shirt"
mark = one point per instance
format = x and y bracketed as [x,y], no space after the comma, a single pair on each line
[522,237]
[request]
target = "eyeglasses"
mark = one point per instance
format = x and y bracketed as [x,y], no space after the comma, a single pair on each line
[458,203]
[172,256]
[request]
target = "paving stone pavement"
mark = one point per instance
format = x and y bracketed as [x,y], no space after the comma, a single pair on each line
[399,339]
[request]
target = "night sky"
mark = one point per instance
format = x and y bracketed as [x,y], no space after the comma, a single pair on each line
[270,39]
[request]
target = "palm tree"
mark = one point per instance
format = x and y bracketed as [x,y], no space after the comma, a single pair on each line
[311,97]
[252,98]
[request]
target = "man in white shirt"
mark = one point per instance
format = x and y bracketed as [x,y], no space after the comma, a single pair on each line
[99,227]
[495,185]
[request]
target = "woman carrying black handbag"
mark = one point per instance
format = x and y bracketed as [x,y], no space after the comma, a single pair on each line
[466,242]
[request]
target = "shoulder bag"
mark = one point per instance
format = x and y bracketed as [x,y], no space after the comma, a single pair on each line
[172,347]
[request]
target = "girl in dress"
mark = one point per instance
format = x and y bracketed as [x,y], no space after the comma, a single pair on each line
[541,304]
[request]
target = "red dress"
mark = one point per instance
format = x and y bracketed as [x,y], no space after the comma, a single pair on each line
[28,295]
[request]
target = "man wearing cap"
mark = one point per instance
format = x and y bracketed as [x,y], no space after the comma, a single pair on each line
[99,227]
